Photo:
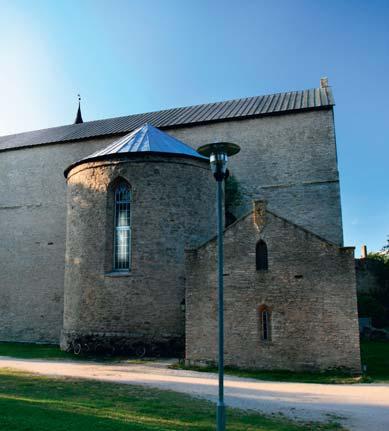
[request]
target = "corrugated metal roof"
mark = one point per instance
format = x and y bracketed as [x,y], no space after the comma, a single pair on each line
[316,98]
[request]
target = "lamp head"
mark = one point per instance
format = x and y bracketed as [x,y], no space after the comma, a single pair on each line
[218,156]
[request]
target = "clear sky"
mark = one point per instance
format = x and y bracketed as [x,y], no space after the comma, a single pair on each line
[127,57]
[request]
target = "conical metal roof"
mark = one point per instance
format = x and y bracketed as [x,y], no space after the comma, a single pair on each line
[145,139]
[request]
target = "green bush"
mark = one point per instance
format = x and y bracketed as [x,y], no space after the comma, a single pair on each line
[375,303]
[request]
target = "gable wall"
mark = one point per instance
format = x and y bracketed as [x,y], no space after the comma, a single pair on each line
[314,323]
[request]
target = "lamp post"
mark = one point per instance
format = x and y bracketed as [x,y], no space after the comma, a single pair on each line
[218,154]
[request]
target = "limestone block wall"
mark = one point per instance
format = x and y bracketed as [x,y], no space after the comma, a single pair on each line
[173,207]
[309,288]
[288,159]
[32,239]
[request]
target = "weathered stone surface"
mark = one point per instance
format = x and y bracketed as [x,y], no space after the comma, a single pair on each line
[172,208]
[289,160]
[309,288]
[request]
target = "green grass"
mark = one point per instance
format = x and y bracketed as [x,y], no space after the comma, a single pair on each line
[34,351]
[281,375]
[30,403]
[374,354]
[52,351]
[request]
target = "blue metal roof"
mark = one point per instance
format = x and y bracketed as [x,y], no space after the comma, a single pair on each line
[145,139]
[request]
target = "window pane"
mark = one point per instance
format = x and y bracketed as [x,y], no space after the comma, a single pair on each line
[265,325]
[122,234]
[261,256]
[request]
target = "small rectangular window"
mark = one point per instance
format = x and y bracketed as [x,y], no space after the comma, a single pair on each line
[261,256]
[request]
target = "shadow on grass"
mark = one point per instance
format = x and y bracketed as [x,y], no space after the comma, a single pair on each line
[30,402]
[52,351]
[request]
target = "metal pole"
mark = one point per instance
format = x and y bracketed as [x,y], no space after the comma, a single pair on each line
[221,424]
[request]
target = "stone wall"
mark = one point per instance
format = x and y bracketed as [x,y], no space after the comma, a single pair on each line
[288,159]
[32,239]
[172,207]
[309,288]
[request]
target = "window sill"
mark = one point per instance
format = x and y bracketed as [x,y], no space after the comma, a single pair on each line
[118,274]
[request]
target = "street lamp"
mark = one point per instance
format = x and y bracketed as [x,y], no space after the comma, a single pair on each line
[218,154]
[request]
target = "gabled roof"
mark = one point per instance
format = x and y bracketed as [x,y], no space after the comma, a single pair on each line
[287,221]
[317,98]
[144,140]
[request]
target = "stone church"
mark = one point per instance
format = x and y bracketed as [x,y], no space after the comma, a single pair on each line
[107,235]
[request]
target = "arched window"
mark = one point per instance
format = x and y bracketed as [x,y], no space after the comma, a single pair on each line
[264,323]
[122,227]
[261,256]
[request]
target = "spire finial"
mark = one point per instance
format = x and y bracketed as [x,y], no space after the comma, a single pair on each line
[78,119]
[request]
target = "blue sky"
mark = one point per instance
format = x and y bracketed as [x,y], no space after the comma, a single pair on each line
[127,57]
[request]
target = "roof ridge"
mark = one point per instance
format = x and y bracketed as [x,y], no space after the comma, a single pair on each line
[160,111]
[243,107]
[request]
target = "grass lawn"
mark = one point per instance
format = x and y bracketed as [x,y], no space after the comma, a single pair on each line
[31,403]
[375,354]
[52,351]
[34,351]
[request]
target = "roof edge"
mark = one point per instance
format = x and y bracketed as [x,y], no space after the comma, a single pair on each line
[249,213]
[174,126]
[187,116]
[130,156]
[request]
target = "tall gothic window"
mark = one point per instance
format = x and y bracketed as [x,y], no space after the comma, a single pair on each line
[261,256]
[264,323]
[122,228]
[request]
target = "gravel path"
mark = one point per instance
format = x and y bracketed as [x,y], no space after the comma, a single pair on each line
[359,407]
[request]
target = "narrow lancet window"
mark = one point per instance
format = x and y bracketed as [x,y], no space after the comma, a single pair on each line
[122,228]
[264,323]
[261,256]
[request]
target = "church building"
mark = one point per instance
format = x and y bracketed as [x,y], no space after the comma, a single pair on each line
[108,236]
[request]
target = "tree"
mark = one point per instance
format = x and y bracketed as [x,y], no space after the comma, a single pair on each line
[385,248]
[375,303]
[233,198]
